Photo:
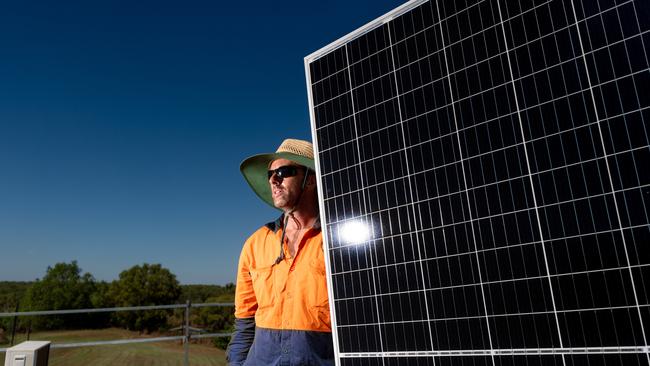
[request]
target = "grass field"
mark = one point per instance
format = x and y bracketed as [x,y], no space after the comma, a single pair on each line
[141,354]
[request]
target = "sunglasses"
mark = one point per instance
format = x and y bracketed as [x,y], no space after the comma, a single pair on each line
[285,171]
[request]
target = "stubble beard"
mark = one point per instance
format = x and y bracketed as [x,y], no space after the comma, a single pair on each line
[281,201]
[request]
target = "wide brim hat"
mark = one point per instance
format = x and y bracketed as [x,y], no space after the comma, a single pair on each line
[255,168]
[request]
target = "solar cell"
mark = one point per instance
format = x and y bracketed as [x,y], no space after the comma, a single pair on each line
[484,183]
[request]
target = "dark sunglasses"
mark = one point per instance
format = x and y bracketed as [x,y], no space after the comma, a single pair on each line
[285,171]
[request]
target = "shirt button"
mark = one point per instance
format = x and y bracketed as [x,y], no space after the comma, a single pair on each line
[291,269]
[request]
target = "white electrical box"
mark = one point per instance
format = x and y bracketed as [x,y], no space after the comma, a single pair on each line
[30,353]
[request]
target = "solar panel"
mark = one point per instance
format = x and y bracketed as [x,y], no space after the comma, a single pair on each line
[484,183]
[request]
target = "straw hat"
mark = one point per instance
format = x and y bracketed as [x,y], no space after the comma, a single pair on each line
[255,168]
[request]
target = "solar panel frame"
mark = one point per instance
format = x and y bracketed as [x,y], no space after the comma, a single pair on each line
[307,61]
[357,189]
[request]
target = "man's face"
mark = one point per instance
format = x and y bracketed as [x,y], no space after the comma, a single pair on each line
[285,191]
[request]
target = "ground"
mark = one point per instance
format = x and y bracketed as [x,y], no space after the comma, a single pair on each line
[141,354]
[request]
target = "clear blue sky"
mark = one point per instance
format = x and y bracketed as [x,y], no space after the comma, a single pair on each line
[123,123]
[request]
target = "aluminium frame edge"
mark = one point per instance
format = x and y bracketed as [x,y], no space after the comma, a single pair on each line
[323,220]
[307,62]
[362,30]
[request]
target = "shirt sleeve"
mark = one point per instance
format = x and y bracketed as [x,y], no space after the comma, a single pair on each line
[245,300]
[245,308]
[241,341]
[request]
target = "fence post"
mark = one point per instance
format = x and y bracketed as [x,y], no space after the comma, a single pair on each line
[186,361]
[13,327]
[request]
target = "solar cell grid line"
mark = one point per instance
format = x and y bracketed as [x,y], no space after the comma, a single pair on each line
[616,203]
[465,178]
[386,307]
[482,183]
[462,61]
[416,215]
[520,46]
[550,170]
[534,197]
[617,214]
[339,72]
[361,180]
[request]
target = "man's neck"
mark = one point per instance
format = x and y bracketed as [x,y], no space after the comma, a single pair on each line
[301,219]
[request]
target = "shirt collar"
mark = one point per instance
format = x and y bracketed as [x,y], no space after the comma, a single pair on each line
[277,224]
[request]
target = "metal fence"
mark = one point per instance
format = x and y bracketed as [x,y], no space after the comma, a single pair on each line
[188,332]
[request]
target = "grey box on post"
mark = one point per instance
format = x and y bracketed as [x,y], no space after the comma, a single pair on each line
[30,353]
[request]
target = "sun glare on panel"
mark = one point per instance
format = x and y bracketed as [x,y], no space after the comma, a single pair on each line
[354,232]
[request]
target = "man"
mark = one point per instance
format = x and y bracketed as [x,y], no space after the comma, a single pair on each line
[281,302]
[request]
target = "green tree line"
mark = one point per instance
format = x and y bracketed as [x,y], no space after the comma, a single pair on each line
[65,286]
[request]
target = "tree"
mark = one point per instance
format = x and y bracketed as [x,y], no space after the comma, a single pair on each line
[218,319]
[63,287]
[12,295]
[201,293]
[149,284]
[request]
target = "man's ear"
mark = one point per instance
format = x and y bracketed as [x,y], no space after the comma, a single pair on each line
[311,180]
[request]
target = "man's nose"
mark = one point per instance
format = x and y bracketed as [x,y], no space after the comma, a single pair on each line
[275,179]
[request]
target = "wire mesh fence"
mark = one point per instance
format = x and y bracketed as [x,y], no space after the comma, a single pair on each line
[188,332]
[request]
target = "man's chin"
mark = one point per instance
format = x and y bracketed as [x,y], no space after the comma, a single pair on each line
[279,204]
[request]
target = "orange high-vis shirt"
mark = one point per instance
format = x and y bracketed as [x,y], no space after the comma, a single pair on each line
[289,295]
